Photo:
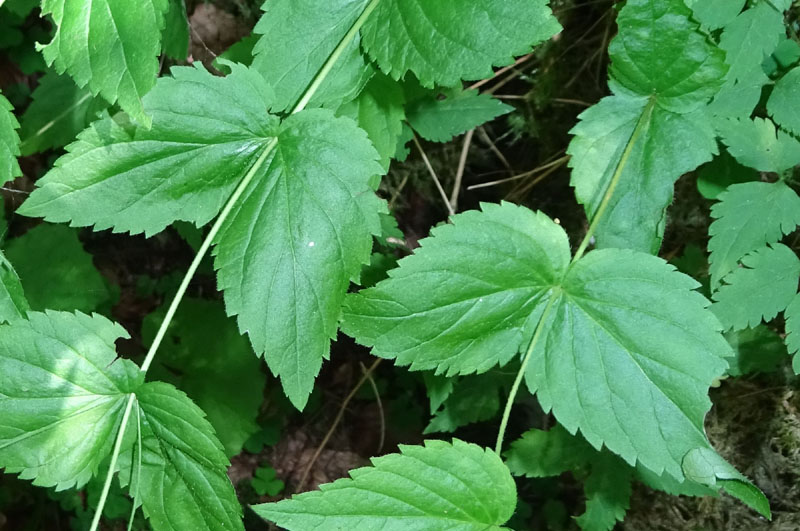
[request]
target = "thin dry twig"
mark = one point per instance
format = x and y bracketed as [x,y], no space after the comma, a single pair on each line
[335,424]
[500,72]
[433,176]
[379,403]
[462,164]
[493,147]
[549,166]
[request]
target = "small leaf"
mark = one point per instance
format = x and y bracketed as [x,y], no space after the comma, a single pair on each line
[110,45]
[756,350]
[297,37]
[62,395]
[474,399]
[13,303]
[207,131]
[782,103]
[440,120]
[299,235]
[716,176]
[183,482]
[175,37]
[750,37]
[705,466]
[792,315]
[436,487]
[747,217]
[459,303]
[438,388]
[757,143]
[608,493]
[540,454]
[759,290]
[59,111]
[442,42]
[57,273]
[715,14]
[9,142]
[378,110]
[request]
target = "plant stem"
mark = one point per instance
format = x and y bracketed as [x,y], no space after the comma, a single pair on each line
[521,373]
[201,253]
[212,234]
[113,465]
[644,120]
[335,55]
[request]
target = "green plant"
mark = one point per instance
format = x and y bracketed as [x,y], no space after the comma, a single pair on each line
[284,157]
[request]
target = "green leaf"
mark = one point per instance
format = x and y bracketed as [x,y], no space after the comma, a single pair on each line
[474,399]
[782,104]
[756,143]
[175,37]
[756,350]
[297,37]
[471,295]
[62,395]
[215,367]
[792,315]
[631,384]
[715,14]
[183,481]
[759,290]
[112,46]
[436,487]
[747,217]
[239,52]
[378,110]
[59,111]
[716,176]
[459,304]
[13,303]
[265,482]
[438,388]
[9,142]
[20,8]
[654,129]
[299,235]
[608,493]
[207,131]
[540,454]
[750,37]
[439,120]
[56,271]
[705,466]
[442,42]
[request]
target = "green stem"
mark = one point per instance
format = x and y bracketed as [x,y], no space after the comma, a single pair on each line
[521,373]
[335,55]
[212,234]
[644,120]
[641,125]
[113,465]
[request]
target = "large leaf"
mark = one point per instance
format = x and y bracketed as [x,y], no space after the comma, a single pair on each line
[299,235]
[655,128]
[470,297]
[111,45]
[182,483]
[55,270]
[436,487]
[207,132]
[13,304]
[445,41]
[9,142]
[747,217]
[204,355]
[750,37]
[62,395]
[715,14]
[759,290]
[460,303]
[297,37]
[59,111]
